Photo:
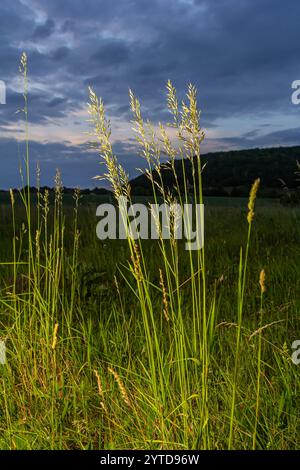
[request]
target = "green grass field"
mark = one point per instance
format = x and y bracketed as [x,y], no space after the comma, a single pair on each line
[53,398]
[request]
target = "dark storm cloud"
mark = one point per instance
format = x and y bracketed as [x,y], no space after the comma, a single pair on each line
[41,108]
[242,56]
[111,53]
[44,30]
[281,138]
[49,156]
[60,53]
[77,163]
[237,53]
[56,102]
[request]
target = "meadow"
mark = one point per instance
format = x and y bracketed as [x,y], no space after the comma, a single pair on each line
[142,344]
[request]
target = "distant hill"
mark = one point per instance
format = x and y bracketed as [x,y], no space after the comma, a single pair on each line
[224,174]
[232,173]
[87,195]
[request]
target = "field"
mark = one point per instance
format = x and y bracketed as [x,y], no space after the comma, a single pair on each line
[142,344]
[96,388]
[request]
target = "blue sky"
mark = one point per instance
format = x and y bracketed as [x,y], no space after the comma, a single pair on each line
[242,55]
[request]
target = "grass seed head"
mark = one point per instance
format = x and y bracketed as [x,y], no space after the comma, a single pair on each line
[54,341]
[121,386]
[12,197]
[164,292]
[252,198]
[100,390]
[262,281]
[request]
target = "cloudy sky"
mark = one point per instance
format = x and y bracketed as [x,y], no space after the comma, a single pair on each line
[242,55]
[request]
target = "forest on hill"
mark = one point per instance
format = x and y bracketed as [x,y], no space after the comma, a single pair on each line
[224,174]
[231,173]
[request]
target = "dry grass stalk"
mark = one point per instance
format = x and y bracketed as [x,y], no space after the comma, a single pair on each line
[164,292]
[121,386]
[262,281]
[54,341]
[136,260]
[100,390]
[12,197]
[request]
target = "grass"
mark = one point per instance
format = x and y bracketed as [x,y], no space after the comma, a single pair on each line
[130,344]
